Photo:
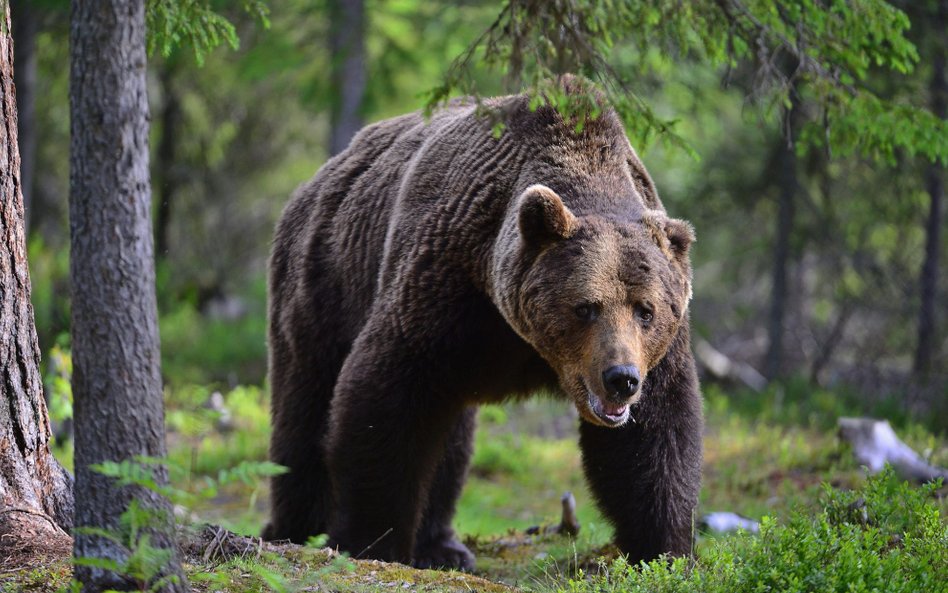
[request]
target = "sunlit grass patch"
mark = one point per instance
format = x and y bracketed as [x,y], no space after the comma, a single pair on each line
[887,536]
[203,441]
[206,440]
[754,468]
[517,478]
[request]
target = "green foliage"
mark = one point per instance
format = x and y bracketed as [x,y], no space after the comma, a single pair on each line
[795,401]
[497,452]
[882,129]
[142,562]
[198,349]
[296,571]
[140,472]
[57,382]
[517,477]
[171,23]
[202,446]
[49,279]
[829,48]
[885,503]
[899,548]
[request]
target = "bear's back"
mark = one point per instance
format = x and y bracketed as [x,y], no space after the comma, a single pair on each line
[448,179]
[334,228]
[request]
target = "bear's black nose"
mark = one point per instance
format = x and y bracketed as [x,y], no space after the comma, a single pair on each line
[622,380]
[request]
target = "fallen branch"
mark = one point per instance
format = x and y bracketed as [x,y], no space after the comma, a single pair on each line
[569,522]
[720,366]
[875,444]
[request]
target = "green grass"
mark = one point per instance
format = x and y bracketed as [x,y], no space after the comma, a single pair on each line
[50,577]
[764,459]
[196,349]
[888,536]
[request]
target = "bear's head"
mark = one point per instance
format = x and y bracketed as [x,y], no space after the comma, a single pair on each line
[599,299]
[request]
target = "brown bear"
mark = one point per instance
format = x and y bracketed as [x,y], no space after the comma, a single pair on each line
[433,266]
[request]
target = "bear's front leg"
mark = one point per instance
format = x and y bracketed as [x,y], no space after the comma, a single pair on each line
[436,544]
[646,474]
[387,430]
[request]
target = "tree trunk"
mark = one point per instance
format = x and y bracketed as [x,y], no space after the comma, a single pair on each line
[25,27]
[116,382]
[35,491]
[787,163]
[347,51]
[927,321]
[167,166]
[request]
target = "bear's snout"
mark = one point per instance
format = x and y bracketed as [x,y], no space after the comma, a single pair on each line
[621,381]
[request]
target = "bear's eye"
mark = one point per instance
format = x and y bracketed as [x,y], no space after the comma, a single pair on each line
[586,311]
[644,313]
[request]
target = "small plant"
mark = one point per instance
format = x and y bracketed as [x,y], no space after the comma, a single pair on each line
[139,472]
[142,562]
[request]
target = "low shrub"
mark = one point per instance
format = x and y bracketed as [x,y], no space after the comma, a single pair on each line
[886,536]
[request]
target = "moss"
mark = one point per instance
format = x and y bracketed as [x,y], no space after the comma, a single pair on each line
[370,576]
[293,568]
[45,576]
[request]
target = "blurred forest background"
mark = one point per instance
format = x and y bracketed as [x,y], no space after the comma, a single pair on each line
[812,268]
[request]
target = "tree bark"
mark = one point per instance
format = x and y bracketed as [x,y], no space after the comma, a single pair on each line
[347,51]
[787,163]
[35,491]
[927,319]
[116,381]
[25,28]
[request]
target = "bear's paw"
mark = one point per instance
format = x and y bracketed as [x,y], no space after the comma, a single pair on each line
[444,553]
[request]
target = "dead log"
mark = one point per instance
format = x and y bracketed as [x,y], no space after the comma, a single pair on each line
[875,443]
[722,367]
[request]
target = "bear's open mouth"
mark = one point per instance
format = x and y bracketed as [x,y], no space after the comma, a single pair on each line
[608,414]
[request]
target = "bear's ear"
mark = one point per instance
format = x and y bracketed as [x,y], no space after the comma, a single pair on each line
[680,235]
[543,216]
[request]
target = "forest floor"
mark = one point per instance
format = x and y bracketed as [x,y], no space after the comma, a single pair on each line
[765,456]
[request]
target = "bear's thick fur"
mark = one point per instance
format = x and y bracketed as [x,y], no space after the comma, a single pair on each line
[433,266]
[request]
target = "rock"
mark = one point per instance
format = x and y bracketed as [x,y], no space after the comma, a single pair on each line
[727,522]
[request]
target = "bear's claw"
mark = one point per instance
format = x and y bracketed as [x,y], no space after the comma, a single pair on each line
[444,553]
